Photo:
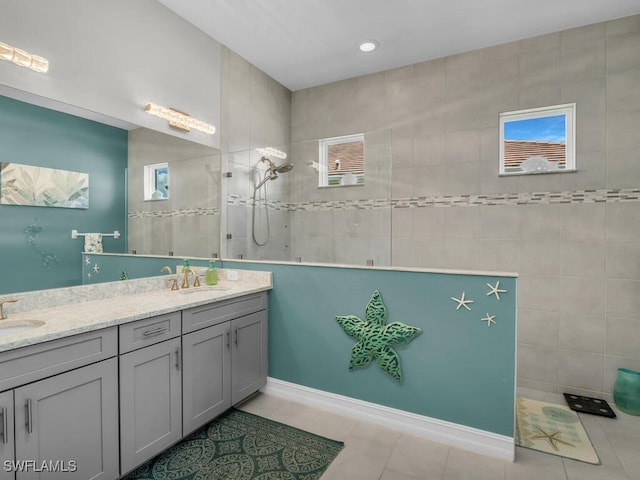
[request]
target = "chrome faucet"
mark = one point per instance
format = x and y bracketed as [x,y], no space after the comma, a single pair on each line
[3,315]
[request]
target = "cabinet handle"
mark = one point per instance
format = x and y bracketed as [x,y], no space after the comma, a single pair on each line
[235,336]
[228,338]
[29,418]
[5,426]
[157,331]
[178,358]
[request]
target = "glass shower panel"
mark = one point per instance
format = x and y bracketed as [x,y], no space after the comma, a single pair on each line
[342,224]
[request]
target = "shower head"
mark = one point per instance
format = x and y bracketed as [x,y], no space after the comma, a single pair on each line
[273,168]
[285,167]
[272,172]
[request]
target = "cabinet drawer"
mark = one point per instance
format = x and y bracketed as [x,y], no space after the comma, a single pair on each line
[218,312]
[149,331]
[35,362]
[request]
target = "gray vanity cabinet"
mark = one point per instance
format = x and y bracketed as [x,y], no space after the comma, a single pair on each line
[59,409]
[248,355]
[150,402]
[163,377]
[206,378]
[6,434]
[68,423]
[225,356]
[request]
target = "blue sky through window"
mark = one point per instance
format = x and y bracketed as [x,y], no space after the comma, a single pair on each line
[545,129]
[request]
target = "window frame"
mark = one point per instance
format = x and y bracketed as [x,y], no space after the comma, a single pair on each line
[323,156]
[568,110]
[151,180]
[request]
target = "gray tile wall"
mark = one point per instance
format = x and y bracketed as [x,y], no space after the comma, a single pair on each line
[256,112]
[579,263]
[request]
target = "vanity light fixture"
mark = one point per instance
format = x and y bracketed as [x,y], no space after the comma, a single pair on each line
[367,46]
[23,59]
[178,119]
[271,152]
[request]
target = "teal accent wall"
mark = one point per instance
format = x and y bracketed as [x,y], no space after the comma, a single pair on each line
[99,268]
[38,136]
[459,369]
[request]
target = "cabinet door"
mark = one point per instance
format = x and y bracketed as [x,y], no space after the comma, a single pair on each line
[6,436]
[150,402]
[68,424]
[206,377]
[249,355]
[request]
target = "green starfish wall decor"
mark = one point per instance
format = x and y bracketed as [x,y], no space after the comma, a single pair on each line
[375,337]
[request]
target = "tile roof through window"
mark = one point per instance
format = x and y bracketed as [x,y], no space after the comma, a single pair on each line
[517,151]
[346,157]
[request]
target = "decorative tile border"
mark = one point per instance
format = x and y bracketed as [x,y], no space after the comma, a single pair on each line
[534,198]
[179,212]
[243,201]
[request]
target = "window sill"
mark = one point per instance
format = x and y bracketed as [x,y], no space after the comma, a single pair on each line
[341,186]
[571,170]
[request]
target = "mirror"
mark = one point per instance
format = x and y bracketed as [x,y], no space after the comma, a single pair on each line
[185,222]
[295,219]
[41,133]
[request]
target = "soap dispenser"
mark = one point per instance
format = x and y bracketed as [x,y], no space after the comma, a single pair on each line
[212,274]
[185,265]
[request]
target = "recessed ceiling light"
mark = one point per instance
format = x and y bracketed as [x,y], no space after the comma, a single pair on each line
[368,46]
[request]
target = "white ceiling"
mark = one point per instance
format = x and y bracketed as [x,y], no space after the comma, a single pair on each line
[304,43]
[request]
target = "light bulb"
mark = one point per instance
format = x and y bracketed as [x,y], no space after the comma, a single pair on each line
[6,51]
[39,64]
[22,58]
[368,46]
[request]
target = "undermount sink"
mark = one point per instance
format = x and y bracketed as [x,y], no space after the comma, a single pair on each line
[9,327]
[212,288]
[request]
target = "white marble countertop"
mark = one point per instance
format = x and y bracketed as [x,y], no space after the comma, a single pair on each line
[74,317]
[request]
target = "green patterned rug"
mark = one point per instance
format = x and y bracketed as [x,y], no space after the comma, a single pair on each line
[242,446]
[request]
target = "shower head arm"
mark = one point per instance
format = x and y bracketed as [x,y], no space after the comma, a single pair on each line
[272,166]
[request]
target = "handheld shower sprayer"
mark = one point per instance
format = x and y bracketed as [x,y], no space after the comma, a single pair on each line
[270,174]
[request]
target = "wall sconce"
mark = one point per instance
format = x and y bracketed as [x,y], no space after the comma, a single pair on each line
[178,119]
[271,152]
[23,59]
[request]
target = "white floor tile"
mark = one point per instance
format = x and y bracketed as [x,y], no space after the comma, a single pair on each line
[373,452]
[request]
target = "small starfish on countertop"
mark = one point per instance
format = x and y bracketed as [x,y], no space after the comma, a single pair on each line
[462,302]
[96,268]
[495,290]
[552,438]
[489,319]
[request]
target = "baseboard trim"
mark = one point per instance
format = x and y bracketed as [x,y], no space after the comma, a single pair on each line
[460,436]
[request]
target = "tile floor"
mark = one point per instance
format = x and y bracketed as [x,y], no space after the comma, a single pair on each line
[373,452]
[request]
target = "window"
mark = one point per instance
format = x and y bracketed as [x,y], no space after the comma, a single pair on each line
[341,161]
[539,140]
[156,181]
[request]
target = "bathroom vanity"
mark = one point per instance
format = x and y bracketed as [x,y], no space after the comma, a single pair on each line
[120,379]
